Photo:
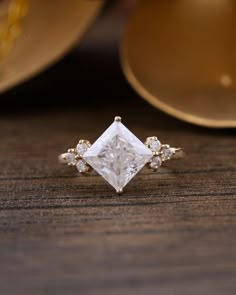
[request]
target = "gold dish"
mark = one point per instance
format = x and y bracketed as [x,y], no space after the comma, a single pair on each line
[49,30]
[181,57]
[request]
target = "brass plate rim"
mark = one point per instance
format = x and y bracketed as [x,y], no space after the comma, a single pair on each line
[10,83]
[159,104]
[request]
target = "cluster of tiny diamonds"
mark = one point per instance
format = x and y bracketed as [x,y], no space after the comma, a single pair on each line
[161,152]
[74,156]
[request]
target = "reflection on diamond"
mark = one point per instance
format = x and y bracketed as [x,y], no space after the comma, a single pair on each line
[167,153]
[118,155]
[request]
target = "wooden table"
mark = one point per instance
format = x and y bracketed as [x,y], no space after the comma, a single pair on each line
[172,232]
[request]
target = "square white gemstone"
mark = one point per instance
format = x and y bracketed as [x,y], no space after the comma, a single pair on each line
[117,155]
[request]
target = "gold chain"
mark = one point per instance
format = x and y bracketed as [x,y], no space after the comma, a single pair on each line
[10,28]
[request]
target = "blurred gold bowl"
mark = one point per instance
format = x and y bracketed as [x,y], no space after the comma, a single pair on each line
[181,57]
[49,30]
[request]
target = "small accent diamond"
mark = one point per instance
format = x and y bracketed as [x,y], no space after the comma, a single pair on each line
[153,143]
[69,158]
[167,153]
[156,162]
[82,166]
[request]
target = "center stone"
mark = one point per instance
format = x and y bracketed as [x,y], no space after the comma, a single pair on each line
[117,155]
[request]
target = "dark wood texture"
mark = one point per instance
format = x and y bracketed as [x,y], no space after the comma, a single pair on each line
[172,232]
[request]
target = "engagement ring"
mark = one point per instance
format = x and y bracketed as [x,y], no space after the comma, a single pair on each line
[118,155]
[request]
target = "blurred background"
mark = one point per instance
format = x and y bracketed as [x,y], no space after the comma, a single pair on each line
[180,57]
[90,73]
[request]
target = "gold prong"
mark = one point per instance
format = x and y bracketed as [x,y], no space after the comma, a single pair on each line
[85,141]
[78,157]
[90,170]
[117,119]
[62,159]
[119,191]
[165,146]
[157,153]
[178,154]
[71,151]
[87,173]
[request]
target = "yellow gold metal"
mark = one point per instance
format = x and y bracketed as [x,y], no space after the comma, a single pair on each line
[157,153]
[62,159]
[78,157]
[11,26]
[71,164]
[117,119]
[85,141]
[119,192]
[199,88]
[71,150]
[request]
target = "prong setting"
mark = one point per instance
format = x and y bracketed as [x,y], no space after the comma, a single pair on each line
[74,157]
[161,152]
[153,144]
[120,191]
[71,150]
[78,157]
[117,119]
[82,147]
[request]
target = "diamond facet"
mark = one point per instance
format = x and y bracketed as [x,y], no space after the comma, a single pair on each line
[117,155]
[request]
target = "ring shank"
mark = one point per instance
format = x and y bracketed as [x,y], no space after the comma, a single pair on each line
[62,159]
[178,153]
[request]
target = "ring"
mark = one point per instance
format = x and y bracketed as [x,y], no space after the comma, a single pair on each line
[118,155]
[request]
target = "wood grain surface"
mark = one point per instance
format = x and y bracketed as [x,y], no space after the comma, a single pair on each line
[171,232]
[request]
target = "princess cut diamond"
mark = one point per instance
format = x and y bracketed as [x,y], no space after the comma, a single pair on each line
[117,155]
